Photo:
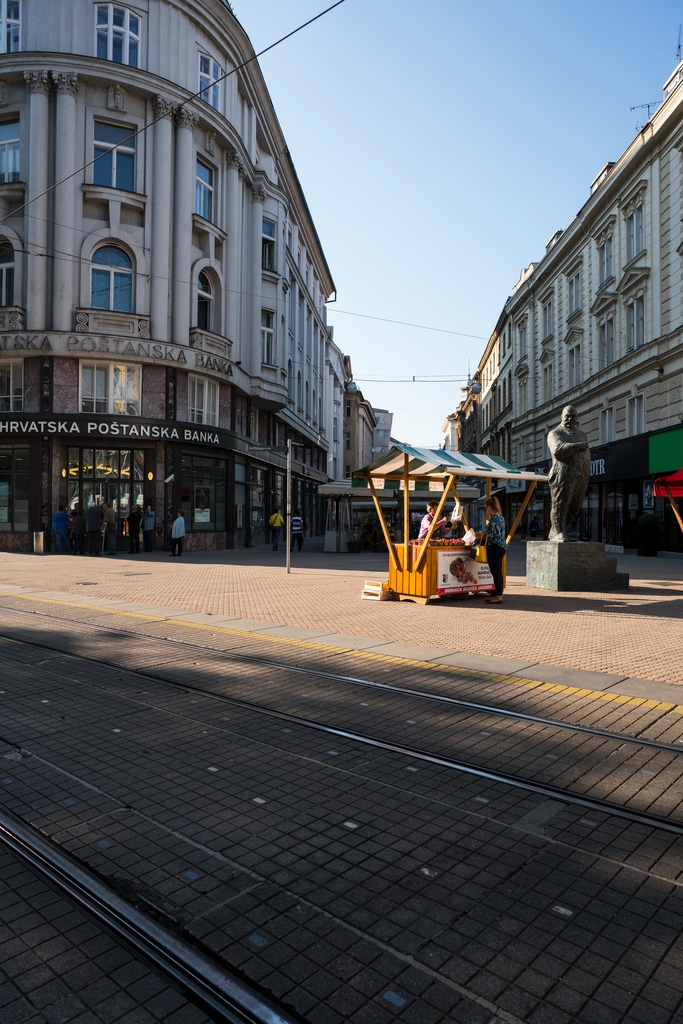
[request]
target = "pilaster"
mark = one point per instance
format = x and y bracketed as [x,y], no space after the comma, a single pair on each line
[182,224]
[161,217]
[63,277]
[36,213]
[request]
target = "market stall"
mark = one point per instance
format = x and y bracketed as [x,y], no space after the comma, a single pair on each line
[432,568]
[671,487]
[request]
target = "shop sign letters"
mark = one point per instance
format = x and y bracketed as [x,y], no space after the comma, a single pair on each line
[101,428]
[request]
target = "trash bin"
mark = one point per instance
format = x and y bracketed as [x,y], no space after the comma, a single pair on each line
[39,542]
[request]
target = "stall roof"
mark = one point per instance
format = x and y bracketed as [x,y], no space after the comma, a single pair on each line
[674,482]
[359,493]
[435,462]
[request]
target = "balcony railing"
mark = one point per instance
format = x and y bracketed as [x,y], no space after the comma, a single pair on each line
[108,321]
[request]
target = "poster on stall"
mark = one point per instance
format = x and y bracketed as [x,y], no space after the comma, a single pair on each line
[458,573]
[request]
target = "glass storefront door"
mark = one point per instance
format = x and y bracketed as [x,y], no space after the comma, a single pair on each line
[110,476]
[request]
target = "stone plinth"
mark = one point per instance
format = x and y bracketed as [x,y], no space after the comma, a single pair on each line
[551,565]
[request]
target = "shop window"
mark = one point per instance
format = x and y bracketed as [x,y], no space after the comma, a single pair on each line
[114,155]
[204,303]
[112,279]
[12,386]
[203,493]
[267,337]
[240,493]
[9,151]
[279,492]
[110,388]
[257,494]
[14,490]
[606,343]
[10,25]
[203,401]
[268,245]
[204,191]
[112,475]
[117,34]
[209,73]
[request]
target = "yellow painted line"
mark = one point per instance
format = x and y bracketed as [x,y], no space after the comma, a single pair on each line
[530,684]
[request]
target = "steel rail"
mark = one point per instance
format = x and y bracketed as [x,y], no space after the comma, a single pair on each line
[225,997]
[493,775]
[475,706]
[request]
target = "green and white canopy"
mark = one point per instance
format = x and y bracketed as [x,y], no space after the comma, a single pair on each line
[435,463]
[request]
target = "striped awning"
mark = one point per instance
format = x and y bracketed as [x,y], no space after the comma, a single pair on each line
[435,462]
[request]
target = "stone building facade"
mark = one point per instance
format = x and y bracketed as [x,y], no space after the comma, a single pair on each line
[162,284]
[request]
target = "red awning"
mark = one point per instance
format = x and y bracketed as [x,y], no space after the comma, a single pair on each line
[674,481]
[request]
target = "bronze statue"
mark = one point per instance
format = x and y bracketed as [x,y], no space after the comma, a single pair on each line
[570,473]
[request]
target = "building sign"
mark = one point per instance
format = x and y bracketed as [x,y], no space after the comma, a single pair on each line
[458,573]
[620,460]
[597,467]
[80,427]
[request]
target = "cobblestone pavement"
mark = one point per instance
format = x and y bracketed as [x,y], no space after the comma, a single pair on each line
[351,883]
[57,967]
[630,634]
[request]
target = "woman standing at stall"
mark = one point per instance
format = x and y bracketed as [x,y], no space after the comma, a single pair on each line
[496,546]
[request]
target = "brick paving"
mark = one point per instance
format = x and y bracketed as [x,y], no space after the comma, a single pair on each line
[634,633]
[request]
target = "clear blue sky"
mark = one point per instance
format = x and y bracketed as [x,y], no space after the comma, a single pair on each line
[440,144]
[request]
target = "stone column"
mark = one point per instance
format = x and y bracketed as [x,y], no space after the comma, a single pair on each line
[37,210]
[183,205]
[161,218]
[253,354]
[235,172]
[64,203]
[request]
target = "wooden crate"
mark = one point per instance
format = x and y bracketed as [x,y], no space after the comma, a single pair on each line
[411,585]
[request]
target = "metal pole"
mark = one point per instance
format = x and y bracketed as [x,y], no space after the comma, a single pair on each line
[288,525]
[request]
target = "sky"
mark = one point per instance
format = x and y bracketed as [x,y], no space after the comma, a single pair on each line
[440,144]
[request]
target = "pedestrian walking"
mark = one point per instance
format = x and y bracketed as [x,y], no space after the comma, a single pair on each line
[134,530]
[298,530]
[109,523]
[148,521]
[78,531]
[177,534]
[496,546]
[276,522]
[534,527]
[93,522]
[60,525]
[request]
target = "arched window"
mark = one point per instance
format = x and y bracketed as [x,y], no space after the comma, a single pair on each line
[6,274]
[204,303]
[290,381]
[320,413]
[314,404]
[308,400]
[112,279]
[299,391]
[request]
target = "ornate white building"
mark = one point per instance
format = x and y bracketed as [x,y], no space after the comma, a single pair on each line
[162,281]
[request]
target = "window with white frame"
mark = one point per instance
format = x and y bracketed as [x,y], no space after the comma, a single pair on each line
[268,245]
[114,155]
[574,366]
[111,279]
[110,388]
[607,424]
[204,191]
[12,386]
[209,73]
[606,343]
[522,340]
[634,233]
[117,34]
[10,25]
[523,396]
[9,151]
[202,400]
[635,323]
[267,337]
[574,293]
[204,303]
[547,319]
[548,382]
[605,253]
[6,274]
[636,415]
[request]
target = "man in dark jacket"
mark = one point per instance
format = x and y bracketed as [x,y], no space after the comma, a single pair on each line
[60,525]
[78,531]
[134,530]
[93,521]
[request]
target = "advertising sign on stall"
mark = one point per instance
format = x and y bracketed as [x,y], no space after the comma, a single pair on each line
[458,573]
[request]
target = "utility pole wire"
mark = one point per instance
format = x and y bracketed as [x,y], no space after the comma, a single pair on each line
[404,323]
[194,96]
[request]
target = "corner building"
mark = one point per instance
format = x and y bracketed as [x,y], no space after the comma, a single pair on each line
[162,318]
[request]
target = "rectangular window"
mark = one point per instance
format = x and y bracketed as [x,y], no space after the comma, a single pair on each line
[6,274]
[347,442]
[125,390]
[268,245]
[607,417]
[636,417]
[547,383]
[522,341]
[209,73]
[606,343]
[347,472]
[606,261]
[110,388]
[523,401]
[9,151]
[203,401]
[547,319]
[635,233]
[635,313]
[114,155]
[10,25]
[13,490]
[348,409]
[12,386]
[267,337]
[574,366]
[574,294]
[204,191]
[117,34]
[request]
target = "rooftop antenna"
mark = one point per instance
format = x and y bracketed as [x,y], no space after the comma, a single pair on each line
[650,107]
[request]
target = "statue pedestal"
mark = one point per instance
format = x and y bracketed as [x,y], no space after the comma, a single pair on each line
[578,565]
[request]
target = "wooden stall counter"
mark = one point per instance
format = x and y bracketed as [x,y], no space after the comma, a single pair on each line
[445,569]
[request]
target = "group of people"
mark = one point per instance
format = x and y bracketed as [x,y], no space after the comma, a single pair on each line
[297,529]
[95,529]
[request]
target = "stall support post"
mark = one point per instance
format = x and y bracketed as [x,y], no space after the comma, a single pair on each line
[288,515]
[518,518]
[406,513]
[390,544]
[488,486]
[432,526]
[674,506]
